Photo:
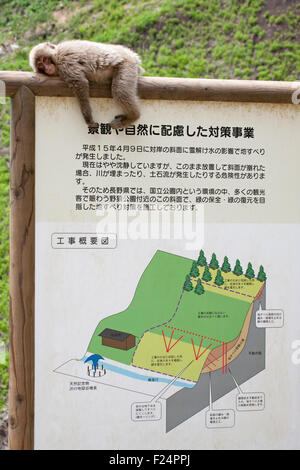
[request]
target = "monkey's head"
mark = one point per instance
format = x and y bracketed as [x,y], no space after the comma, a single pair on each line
[42,59]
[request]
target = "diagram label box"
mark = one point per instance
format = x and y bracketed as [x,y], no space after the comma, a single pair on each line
[146,411]
[250,401]
[269,318]
[220,418]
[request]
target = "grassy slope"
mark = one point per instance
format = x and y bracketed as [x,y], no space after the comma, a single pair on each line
[158,297]
[154,302]
[207,320]
[151,355]
[210,315]
[186,38]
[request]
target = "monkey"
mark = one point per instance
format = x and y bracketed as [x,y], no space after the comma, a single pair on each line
[80,62]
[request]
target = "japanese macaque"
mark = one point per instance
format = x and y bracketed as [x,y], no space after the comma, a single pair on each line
[79,62]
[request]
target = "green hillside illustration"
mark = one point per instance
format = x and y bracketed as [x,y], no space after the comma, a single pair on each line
[183,311]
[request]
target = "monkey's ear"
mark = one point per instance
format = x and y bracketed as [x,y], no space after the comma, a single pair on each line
[52,46]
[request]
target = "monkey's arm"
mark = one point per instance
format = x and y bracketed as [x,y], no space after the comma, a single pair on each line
[80,88]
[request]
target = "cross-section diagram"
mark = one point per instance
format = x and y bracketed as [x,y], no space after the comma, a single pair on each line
[188,319]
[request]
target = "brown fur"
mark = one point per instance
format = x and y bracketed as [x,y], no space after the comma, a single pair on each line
[79,62]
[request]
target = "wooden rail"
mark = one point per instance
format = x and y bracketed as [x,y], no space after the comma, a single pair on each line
[198,89]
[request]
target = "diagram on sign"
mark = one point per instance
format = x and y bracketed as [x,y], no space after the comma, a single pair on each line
[194,331]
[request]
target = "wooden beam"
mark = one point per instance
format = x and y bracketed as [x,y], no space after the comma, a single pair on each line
[22,227]
[163,88]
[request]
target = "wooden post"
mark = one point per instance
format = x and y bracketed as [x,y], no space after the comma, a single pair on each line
[22,227]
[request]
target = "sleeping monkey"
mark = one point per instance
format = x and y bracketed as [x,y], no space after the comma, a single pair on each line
[79,62]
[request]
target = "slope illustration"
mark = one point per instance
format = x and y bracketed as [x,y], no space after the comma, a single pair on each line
[154,302]
[183,312]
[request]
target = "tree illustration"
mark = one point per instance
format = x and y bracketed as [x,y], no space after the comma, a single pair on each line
[201,259]
[194,270]
[226,268]
[261,275]
[188,286]
[206,275]
[238,268]
[213,262]
[199,289]
[250,272]
[219,278]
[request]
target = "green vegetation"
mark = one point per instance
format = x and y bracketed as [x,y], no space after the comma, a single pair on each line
[201,259]
[250,272]
[261,275]
[226,268]
[188,286]
[183,38]
[187,38]
[199,289]
[238,270]
[219,281]
[206,275]
[224,277]
[194,271]
[214,264]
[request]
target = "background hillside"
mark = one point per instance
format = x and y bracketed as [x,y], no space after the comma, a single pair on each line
[254,39]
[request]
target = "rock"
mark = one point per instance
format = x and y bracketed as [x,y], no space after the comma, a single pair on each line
[14,47]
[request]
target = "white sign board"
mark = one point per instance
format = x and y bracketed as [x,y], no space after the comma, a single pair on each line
[156,246]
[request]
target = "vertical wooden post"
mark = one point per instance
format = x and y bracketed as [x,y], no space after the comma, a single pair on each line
[22,228]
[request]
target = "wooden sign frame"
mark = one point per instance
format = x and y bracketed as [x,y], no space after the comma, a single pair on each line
[22,87]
